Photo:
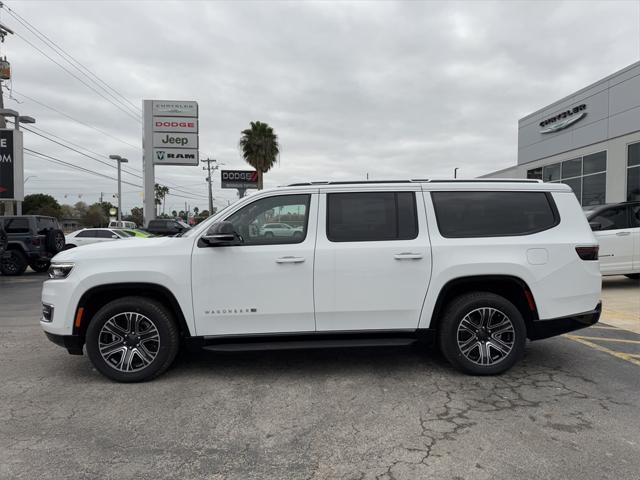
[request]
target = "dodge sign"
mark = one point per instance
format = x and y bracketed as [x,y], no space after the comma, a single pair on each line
[239,179]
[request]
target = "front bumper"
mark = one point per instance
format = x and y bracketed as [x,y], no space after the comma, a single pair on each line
[557,326]
[73,343]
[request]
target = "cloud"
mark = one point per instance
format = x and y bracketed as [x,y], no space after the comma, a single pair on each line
[389,89]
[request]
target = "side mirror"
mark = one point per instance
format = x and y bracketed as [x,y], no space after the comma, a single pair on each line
[220,234]
[595,226]
[114,236]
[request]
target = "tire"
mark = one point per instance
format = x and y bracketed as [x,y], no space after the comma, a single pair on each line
[159,349]
[268,235]
[470,346]
[633,276]
[40,266]
[55,241]
[13,263]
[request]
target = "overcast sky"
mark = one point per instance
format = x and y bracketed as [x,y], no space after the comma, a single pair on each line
[395,90]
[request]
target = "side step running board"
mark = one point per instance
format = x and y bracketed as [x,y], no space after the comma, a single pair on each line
[305,344]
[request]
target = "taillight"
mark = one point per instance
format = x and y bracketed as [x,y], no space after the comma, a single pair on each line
[588,253]
[35,241]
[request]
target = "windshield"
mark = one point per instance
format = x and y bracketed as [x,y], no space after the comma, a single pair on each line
[123,233]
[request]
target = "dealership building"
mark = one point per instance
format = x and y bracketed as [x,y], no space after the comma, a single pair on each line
[589,140]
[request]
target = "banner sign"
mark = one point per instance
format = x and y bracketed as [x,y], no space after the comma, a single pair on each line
[11,168]
[170,126]
[239,179]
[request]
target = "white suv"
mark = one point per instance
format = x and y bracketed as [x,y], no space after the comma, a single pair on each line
[474,266]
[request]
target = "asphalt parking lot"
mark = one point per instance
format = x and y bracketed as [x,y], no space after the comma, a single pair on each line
[571,409]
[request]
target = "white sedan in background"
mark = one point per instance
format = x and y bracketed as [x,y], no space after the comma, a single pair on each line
[280,230]
[88,236]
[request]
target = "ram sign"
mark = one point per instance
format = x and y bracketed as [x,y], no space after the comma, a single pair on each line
[239,179]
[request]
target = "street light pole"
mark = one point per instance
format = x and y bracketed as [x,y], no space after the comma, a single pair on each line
[120,161]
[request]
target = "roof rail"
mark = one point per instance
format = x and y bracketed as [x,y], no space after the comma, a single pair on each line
[420,180]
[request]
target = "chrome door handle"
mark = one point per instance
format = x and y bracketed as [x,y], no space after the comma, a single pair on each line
[290,260]
[623,234]
[407,256]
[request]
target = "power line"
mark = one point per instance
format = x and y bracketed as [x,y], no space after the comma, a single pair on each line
[72,60]
[117,105]
[88,125]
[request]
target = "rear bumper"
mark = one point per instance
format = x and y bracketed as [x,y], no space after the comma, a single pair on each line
[557,326]
[73,343]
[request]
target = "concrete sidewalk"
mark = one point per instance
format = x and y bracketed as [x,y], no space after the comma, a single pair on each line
[621,303]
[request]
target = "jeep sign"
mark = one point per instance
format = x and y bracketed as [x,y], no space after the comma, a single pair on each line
[175,140]
[239,179]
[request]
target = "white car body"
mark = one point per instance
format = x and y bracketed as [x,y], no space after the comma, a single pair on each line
[88,236]
[320,286]
[618,233]
[279,230]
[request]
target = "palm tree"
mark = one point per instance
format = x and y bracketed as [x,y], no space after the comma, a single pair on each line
[260,148]
[161,192]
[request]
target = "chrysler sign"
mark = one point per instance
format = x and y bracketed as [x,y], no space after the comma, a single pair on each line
[563,119]
[239,178]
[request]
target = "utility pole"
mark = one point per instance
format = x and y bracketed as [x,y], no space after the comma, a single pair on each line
[210,169]
[8,205]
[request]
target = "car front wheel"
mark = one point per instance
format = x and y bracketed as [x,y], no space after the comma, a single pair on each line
[13,263]
[132,339]
[482,333]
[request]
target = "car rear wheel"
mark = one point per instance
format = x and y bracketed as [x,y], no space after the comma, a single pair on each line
[482,334]
[132,339]
[13,263]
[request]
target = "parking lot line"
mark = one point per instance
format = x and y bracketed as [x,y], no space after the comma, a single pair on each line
[605,339]
[602,327]
[623,356]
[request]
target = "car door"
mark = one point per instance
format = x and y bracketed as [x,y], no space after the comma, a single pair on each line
[373,260]
[634,219]
[85,237]
[261,284]
[615,238]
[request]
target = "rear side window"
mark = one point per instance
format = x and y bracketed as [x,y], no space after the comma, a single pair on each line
[493,214]
[16,225]
[44,224]
[371,216]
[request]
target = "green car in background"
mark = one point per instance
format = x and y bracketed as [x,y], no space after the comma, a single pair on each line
[134,232]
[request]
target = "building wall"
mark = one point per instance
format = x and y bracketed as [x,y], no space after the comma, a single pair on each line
[616,186]
[612,110]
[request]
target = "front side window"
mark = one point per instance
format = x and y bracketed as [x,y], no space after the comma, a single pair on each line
[371,216]
[493,214]
[258,222]
[87,234]
[613,218]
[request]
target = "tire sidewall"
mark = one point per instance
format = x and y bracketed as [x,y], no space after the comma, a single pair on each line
[17,258]
[157,314]
[454,314]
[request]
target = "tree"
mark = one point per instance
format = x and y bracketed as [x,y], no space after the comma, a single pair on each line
[41,204]
[106,206]
[174,214]
[136,216]
[95,216]
[260,148]
[195,211]
[161,191]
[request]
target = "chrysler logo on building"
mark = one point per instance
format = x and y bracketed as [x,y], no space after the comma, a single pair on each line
[564,119]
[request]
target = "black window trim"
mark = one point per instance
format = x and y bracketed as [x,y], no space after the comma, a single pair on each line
[395,198]
[262,244]
[548,195]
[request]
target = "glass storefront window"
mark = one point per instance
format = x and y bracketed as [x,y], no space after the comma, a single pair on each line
[594,163]
[576,186]
[594,189]
[535,173]
[572,168]
[551,173]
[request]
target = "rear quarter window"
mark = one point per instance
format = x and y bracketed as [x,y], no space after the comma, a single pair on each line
[493,214]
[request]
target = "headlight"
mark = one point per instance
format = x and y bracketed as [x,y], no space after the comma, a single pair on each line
[60,270]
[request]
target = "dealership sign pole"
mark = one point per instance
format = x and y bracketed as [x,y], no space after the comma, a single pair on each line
[170,137]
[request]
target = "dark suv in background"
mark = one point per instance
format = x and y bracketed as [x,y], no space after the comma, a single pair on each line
[31,241]
[167,227]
